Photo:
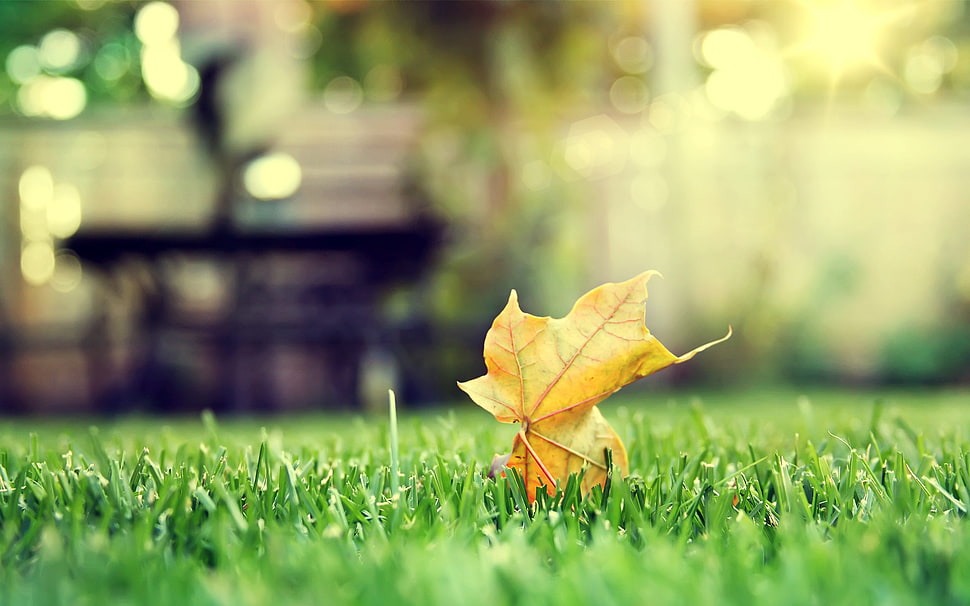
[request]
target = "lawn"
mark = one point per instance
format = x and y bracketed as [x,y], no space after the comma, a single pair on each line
[740,498]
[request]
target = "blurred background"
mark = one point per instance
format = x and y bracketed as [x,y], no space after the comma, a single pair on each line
[251,205]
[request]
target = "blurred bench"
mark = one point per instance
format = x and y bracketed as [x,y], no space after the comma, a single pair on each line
[278,308]
[312,295]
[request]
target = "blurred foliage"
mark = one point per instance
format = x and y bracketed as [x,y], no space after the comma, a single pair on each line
[927,355]
[106,37]
[499,79]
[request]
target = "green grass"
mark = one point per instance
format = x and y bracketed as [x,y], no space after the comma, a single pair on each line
[764,498]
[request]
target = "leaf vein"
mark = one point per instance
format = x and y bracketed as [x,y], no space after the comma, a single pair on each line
[518,364]
[569,450]
[576,405]
[515,413]
[568,364]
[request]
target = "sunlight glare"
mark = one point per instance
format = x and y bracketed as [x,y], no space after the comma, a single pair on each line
[845,38]
[846,35]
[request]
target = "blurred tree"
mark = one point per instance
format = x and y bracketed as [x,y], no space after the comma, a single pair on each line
[499,81]
[106,60]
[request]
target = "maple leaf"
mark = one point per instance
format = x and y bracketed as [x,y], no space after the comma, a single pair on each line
[548,374]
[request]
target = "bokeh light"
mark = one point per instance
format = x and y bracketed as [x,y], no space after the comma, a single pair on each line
[48,210]
[68,273]
[275,176]
[633,54]
[56,97]
[747,80]
[23,63]
[156,23]
[303,38]
[33,225]
[293,16]
[37,262]
[343,95]
[36,188]
[166,75]
[305,41]
[60,50]
[630,94]
[726,47]
[64,211]
[112,61]
[669,113]
[928,63]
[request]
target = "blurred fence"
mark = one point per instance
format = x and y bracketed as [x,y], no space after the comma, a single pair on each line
[828,239]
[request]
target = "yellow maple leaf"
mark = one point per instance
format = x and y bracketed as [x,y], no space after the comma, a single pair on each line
[548,374]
